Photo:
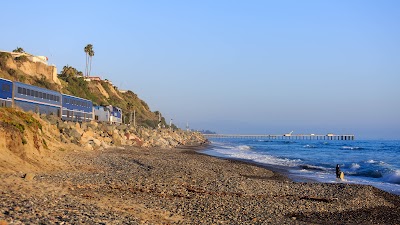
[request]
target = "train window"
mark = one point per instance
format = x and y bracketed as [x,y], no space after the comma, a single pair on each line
[5,87]
[19,90]
[51,97]
[24,91]
[40,95]
[58,98]
[36,94]
[28,92]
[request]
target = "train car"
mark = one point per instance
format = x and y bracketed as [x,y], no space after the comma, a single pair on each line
[36,99]
[109,114]
[76,109]
[116,115]
[5,93]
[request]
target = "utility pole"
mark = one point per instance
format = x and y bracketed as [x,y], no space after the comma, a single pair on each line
[159,120]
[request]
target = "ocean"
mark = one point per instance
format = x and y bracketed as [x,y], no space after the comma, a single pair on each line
[375,163]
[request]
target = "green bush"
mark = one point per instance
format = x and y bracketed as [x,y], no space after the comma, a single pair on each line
[22,58]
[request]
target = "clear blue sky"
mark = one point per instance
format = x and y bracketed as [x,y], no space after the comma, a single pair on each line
[232,66]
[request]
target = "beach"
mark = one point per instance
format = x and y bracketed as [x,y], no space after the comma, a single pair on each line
[131,185]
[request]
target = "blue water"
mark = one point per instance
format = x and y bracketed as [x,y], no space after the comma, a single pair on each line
[375,163]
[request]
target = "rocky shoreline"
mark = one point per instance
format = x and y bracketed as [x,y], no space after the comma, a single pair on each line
[131,185]
[94,135]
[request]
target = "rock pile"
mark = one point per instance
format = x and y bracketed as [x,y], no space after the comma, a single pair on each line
[95,135]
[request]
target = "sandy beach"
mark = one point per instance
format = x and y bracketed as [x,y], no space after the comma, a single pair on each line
[181,186]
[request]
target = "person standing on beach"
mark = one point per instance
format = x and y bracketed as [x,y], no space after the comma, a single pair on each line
[337,171]
[339,174]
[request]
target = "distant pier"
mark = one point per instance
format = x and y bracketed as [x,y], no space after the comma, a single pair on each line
[338,137]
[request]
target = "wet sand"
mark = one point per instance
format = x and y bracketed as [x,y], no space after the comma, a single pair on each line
[168,186]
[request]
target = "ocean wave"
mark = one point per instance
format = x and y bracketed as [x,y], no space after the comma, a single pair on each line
[312,167]
[367,173]
[267,159]
[243,147]
[351,148]
[393,177]
[309,146]
[264,140]
[355,166]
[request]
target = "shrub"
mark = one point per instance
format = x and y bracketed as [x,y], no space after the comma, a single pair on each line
[22,58]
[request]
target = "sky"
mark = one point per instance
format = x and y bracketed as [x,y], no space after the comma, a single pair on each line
[242,67]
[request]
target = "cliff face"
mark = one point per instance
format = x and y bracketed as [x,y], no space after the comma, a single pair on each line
[26,142]
[21,68]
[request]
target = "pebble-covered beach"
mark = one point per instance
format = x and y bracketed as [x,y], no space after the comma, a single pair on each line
[180,186]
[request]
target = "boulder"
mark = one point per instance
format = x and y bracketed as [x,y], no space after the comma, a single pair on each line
[92,124]
[73,133]
[109,129]
[122,127]
[88,147]
[78,128]
[53,120]
[97,142]
[62,125]
[116,139]
[104,145]
[29,176]
[84,126]
[87,134]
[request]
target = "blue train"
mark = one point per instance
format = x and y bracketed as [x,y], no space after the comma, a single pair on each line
[5,93]
[44,101]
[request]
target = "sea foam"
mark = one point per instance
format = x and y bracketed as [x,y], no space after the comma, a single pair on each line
[392,177]
[355,166]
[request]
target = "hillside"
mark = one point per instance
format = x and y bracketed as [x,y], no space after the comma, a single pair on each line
[69,82]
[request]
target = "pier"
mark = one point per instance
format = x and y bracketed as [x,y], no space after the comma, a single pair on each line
[338,137]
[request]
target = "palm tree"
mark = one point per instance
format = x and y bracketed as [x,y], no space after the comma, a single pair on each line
[91,54]
[88,48]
